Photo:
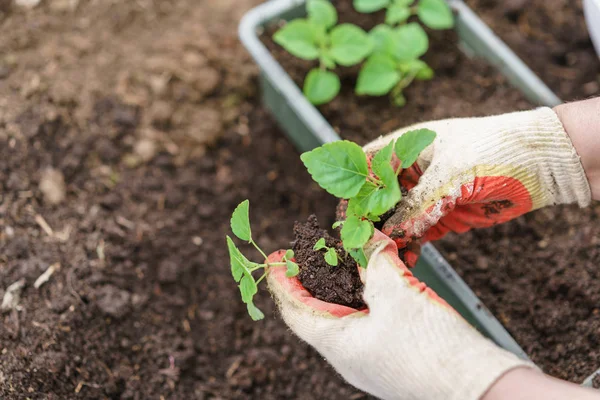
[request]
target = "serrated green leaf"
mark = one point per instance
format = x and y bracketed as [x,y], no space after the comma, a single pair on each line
[254,312]
[396,14]
[337,224]
[320,244]
[292,268]
[237,260]
[356,232]
[411,144]
[298,37]
[377,76]
[412,42]
[331,257]
[359,204]
[359,256]
[320,86]
[349,44]
[240,221]
[248,288]
[384,39]
[289,254]
[369,6]
[436,14]
[338,167]
[381,164]
[403,3]
[321,12]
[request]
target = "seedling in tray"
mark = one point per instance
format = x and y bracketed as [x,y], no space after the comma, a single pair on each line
[392,50]
[343,170]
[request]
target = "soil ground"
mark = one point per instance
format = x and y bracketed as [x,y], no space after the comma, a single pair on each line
[128,133]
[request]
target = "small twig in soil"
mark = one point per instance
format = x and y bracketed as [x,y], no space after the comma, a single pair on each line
[44,225]
[45,277]
[70,286]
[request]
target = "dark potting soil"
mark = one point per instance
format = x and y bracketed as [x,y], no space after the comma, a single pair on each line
[338,284]
[538,274]
[596,382]
[551,36]
[462,87]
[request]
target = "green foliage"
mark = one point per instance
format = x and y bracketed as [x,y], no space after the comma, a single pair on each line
[240,221]
[242,269]
[411,43]
[318,37]
[369,6]
[339,167]
[321,86]
[435,14]
[322,13]
[331,257]
[411,144]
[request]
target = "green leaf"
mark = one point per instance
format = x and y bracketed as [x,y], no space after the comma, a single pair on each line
[381,165]
[237,260]
[327,60]
[377,76]
[298,38]
[289,254]
[349,44]
[369,6]
[320,244]
[320,86]
[412,42]
[331,257]
[338,167]
[240,221]
[384,39]
[337,224]
[359,256]
[248,288]
[396,14]
[403,3]
[359,204]
[356,232]
[418,68]
[411,144]
[321,12]
[436,14]
[292,268]
[254,312]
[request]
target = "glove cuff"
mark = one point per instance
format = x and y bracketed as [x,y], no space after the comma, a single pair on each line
[539,153]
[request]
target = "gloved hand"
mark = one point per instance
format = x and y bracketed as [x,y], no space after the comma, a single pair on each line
[410,344]
[484,171]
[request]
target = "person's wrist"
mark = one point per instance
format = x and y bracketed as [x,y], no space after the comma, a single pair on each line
[581,121]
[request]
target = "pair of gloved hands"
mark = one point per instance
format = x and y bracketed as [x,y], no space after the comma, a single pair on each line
[411,344]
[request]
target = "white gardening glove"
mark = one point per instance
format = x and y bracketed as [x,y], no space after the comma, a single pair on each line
[484,171]
[409,345]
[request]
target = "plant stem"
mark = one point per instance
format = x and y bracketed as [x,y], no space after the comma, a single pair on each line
[258,248]
[261,278]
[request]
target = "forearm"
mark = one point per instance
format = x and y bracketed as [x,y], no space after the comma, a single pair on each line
[529,384]
[581,121]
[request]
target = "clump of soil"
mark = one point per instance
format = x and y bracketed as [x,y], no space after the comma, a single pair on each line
[596,382]
[339,284]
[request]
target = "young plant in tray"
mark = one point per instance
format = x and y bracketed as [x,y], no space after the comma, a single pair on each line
[318,37]
[395,61]
[342,169]
[392,50]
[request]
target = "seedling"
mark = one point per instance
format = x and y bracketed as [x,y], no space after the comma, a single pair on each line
[342,169]
[433,13]
[318,37]
[392,50]
[395,61]
[242,269]
[331,256]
